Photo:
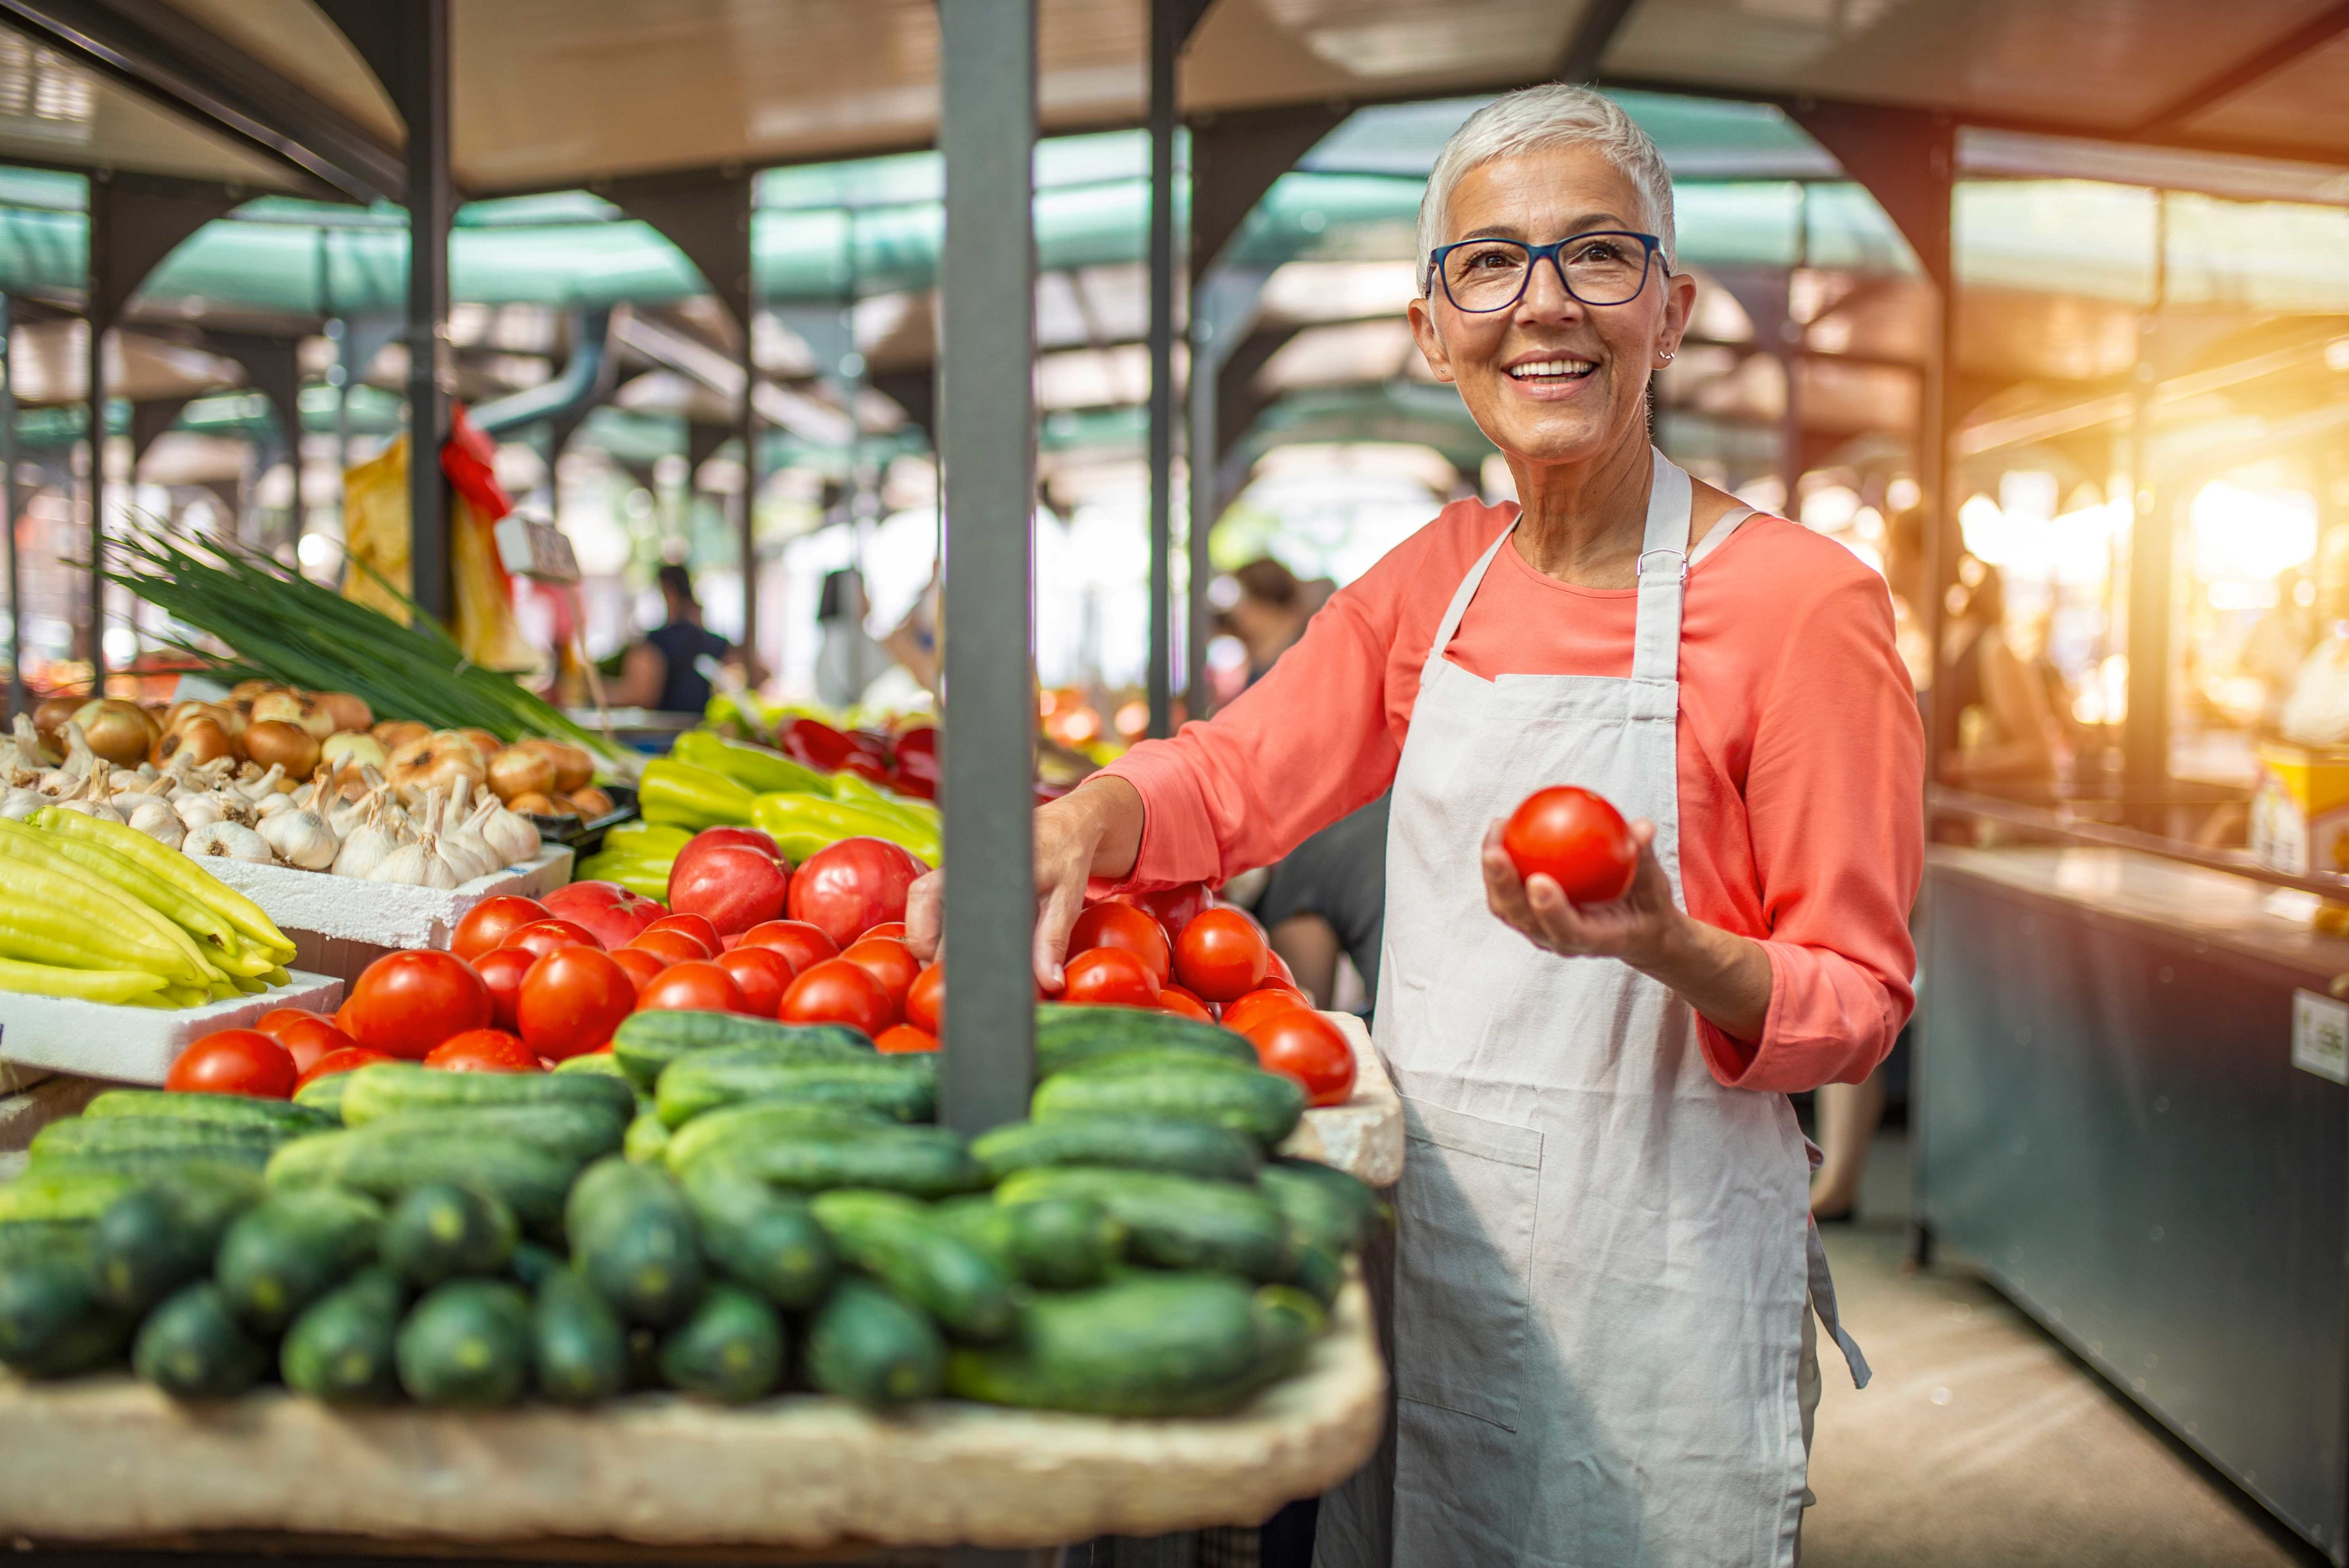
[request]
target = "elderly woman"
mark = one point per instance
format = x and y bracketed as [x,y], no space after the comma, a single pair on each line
[1602,1352]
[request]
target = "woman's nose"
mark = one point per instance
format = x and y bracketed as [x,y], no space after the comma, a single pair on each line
[1546,298]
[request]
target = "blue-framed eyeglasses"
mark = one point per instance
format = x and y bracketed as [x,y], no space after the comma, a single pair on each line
[1606,266]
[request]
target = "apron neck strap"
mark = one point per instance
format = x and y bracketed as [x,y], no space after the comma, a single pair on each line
[1663,574]
[1460,600]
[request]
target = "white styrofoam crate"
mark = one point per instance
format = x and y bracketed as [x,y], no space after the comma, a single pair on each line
[136,1044]
[386,914]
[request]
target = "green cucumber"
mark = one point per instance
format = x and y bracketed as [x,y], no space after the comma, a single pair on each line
[632,1237]
[1265,1106]
[759,1121]
[324,1095]
[531,1262]
[1146,1346]
[22,1239]
[920,1162]
[646,1140]
[53,1323]
[75,1194]
[528,1180]
[403,1088]
[155,1238]
[437,1232]
[647,1042]
[765,1239]
[729,1350]
[1069,1035]
[193,1345]
[903,1087]
[867,1346]
[602,1062]
[341,1347]
[1326,1207]
[1318,1271]
[1136,1142]
[186,1137]
[219,1110]
[578,1132]
[1173,1221]
[467,1344]
[900,1242]
[1054,1244]
[581,1348]
[291,1248]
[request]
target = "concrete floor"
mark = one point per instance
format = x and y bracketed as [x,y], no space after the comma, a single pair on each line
[1980,1441]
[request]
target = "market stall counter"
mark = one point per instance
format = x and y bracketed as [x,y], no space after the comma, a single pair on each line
[2132,1118]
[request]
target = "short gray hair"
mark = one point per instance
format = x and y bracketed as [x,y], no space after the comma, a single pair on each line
[1552,115]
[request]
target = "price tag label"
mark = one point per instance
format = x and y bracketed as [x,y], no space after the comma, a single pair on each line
[2320,1035]
[536,549]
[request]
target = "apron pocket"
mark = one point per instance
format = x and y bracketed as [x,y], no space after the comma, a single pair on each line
[1464,1215]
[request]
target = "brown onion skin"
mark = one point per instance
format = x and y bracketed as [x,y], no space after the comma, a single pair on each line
[434,761]
[200,737]
[396,733]
[485,743]
[348,712]
[535,806]
[245,691]
[52,713]
[573,766]
[591,803]
[274,743]
[118,731]
[520,770]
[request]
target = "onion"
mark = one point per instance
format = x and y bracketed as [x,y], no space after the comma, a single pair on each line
[535,804]
[435,761]
[396,733]
[485,743]
[349,754]
[296,708]
[573,766]
[348,712]
[118,731]
[51,717]
[199,739]
[520,770]
[591,803]
[274,743]
[246,691]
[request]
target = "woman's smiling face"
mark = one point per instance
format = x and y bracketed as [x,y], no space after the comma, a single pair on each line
[1552,380]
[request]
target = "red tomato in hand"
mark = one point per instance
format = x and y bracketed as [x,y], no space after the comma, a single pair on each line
[835,991]
[697,927]
[541,937]
[488,922]
[926,1000]
[796,940]
[1576,837]
[407,1003]
[848,888]
[1252,1009]
[1307,1046]
[1109,976]
[696,985]
[1177,1000]
[672,946]
[900,1038]
[571,1002]
[501,969]
[763,974]
[350,1058]
[889,961]
[484,1051]
[307,1039]
[234,1061]
[1111,924]
[641,964]
[277,1020]
[1221,955]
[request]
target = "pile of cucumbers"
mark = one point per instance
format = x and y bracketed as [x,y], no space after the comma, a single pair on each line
[721,1205]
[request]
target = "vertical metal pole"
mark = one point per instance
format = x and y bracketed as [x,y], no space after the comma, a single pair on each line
[2144,727]
[1199,454]
[101,236]
[1165,42]
[19,695]
[430,201]
[986,419]
[747,424]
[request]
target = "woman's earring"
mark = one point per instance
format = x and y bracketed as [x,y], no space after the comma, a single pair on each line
[1667,356]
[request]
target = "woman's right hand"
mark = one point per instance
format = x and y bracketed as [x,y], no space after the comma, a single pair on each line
[1095,830]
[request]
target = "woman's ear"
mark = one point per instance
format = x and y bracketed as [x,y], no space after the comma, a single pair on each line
[1429,341]
[1679,303]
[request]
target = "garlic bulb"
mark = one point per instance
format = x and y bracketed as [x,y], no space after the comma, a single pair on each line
[420,864]
[79,755]
[200,808]
[365,843]
[298,835]
[17,804]
[228,840]
[265,785]
[509,836]
[272,804]
[89,797]
[468,853]
[157,819]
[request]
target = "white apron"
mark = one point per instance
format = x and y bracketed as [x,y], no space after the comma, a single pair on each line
[1602,1256]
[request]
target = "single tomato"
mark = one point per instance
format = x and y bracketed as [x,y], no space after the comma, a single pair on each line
[1109,976]
[484,1051]
[926,1000]
[641,964]
[501,969]
[279,1019]
[1277,971]
[1575,838]
[744,837]
[307,1039]
[733,886]
[342,1018]
[697,927]
[696,985]
[1221,956]
[1174,999]
[350,1058]
[234,1061]
[608,909]
[796,940]
[1173,907]
[850,887]
[672,946]
[889,961]
[488,922]
[1259,1004]
[405,1004]
[763,974]
[1185,991]
[835,991]
[1307,1046]
[541,937]
[900,1038]
[895,928]
[571,1001]
[1112,924]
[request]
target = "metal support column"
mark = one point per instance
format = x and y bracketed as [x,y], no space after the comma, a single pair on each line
[101,235]
[19,694]
[986,419]
[422,96]
[1165,43]
[746,424]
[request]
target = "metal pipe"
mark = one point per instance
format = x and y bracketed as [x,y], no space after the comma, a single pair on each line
[1165,42]
[101,237]
[19,694]
[746,428]
[431,198]
[1199,450]
[987,425]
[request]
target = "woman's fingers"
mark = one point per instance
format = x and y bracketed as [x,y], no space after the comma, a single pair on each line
[925,904]
[1060,901]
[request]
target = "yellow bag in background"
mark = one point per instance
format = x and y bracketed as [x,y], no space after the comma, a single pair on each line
[375,531]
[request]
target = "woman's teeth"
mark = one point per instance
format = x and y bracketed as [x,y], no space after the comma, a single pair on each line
[1552,370]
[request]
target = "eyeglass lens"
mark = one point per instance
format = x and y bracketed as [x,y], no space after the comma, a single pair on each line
[1490,274]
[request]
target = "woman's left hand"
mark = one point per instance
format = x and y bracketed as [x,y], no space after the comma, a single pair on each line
[1637,928]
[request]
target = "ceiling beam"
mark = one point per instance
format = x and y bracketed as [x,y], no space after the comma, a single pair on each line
[1601,20]
[170,59]
[2313,34]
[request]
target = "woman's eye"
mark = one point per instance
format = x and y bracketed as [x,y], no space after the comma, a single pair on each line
[1599,251]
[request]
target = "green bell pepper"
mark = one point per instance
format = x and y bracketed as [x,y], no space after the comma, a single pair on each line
[811,821]
[679,795]
[649,878]
[647,840]
[760,769]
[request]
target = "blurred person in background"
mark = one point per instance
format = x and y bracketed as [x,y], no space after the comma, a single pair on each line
[849,659]
[2278,643]
[2006,724]
[1267,612]
[663,670]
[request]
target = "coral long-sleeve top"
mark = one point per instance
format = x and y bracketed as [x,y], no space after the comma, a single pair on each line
[1800,757]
